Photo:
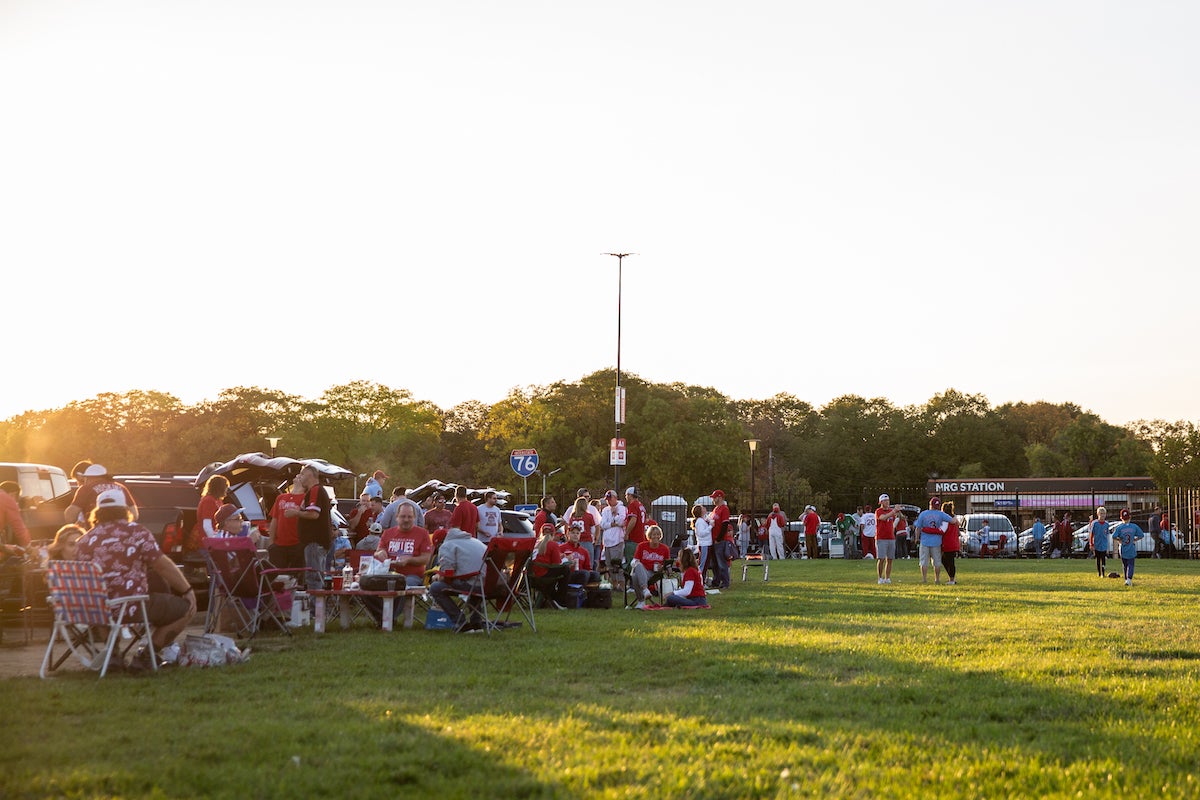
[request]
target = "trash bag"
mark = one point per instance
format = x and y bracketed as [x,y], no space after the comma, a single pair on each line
[210,650]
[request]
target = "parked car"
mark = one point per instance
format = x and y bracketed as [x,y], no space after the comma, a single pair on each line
[46,491]
[999,526]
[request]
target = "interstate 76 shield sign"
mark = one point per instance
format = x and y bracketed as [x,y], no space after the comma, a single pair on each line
[524,462]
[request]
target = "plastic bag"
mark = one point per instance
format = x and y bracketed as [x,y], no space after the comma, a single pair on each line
[210,650]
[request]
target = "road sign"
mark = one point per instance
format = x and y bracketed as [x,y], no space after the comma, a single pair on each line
[524,462]
[616,453]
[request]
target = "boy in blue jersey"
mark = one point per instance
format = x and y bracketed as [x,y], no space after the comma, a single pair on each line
[1098,539]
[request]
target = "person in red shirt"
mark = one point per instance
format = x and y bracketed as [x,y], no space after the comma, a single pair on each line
[691,590]
[775,525]
[635,516]
[545,514]
[720,521]
[580,556]
[465,516]
[951,545]
[284,550]
[437,517]
[812,524]
[407,546]
[885,539]
[648,562]
[211,499]
[550,568]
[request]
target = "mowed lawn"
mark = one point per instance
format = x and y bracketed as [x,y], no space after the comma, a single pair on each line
[1028,679]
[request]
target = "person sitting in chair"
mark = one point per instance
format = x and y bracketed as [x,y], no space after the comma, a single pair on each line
[460,559]
[126,553]
[408,548]
[580,556]
[648,561]
[550,568]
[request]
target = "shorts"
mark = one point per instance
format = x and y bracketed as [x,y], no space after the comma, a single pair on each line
[885,548]
[931,553]
[163,609]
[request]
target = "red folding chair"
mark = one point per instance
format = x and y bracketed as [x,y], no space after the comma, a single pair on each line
[238,582]
[503,583]
[87,623]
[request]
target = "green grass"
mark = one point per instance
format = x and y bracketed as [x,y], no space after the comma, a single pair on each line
[1029,679]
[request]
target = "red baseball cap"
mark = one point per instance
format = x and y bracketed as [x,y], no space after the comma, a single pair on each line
[717,493]
[225,512]
[935,502]
[380,474]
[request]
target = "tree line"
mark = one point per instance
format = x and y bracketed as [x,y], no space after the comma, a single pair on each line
[682,439]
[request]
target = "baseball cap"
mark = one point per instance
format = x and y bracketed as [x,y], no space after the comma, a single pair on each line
[380,474]
[113,498]
[225,512]
[547,527]
[610,493]
[883,497]
[935,502]
[1124,513]
[631,491]
[717,493]
[96,471]
[376,527]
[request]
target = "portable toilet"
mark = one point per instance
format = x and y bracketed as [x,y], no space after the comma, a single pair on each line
[671,513]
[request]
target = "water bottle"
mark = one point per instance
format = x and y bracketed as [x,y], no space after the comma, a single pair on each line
[347,575]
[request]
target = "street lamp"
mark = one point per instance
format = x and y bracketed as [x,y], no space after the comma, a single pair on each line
[620,406]
[547,475]
[753,446]
[274,442]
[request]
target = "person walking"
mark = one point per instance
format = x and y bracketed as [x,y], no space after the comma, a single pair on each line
[1127,535]
[951,545]
[1098,539]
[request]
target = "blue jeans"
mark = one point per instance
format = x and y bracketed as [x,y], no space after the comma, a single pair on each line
[314,559]
[1128,562]
[676,601]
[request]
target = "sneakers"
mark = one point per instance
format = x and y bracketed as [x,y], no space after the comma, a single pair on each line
[887,580]
[1129,582]
[640,606]
[952,583]
[714,591]
[879,581]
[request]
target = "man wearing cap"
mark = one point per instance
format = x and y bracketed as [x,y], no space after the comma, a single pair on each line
[126,553]
[374,486]
[812,524]
[96,480]
[720,518]
[437,517]
[885,539]
[371,540]
[635,517]
[932,523]
[612,536]
[231,523]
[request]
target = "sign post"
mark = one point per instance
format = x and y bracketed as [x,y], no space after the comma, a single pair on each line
[524,463]
[616,454]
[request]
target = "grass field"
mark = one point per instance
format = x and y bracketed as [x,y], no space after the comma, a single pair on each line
[1028,679]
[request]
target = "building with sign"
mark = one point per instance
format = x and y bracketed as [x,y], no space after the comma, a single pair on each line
[1022,499]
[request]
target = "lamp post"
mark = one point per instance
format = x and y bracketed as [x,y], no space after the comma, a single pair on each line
[547,475]
[274,442]
[753,446]
[620,406]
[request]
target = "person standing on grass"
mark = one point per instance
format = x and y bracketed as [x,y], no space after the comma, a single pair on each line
[812,525]
[951,544]
[1064,532]
[702,528]
[866,527]
[465,515]
[885,539]
[1098,539]
[776,525]
[932,523]
[691,592]
[313,524]
[612,536]
[1039,535]
[1127,535]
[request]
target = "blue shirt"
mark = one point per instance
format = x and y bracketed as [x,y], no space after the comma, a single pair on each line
[1039,531]
[931,518]
[1127,534]
[373,488]
[1099,536]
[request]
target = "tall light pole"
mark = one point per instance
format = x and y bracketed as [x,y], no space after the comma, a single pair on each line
[753,446]
[619,413]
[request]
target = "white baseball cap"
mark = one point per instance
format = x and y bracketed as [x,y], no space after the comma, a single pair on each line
[95,471]
[113,498]
[883,497]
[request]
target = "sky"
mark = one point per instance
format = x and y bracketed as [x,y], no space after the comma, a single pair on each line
[878,198]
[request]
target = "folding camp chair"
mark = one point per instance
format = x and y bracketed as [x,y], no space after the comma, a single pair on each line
[500,586]
[238,582]
[88,623]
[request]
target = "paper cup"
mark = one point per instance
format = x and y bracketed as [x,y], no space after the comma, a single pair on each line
[337,583]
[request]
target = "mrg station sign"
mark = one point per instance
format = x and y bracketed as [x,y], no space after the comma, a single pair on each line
[1002,485]
[964,487]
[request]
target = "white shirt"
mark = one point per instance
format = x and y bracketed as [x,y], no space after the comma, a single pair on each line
[489,523]
[868,525]
[612,523]
[703,532]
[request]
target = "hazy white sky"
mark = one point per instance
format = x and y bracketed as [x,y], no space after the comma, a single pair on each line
[881,198]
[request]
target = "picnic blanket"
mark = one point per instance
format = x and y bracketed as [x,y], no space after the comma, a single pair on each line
[649,607]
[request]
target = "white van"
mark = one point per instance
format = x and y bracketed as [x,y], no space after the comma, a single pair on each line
[969,526]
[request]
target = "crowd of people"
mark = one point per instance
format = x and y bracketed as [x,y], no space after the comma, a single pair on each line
[444,545]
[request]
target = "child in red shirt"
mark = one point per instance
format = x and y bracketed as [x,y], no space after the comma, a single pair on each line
[691,593]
